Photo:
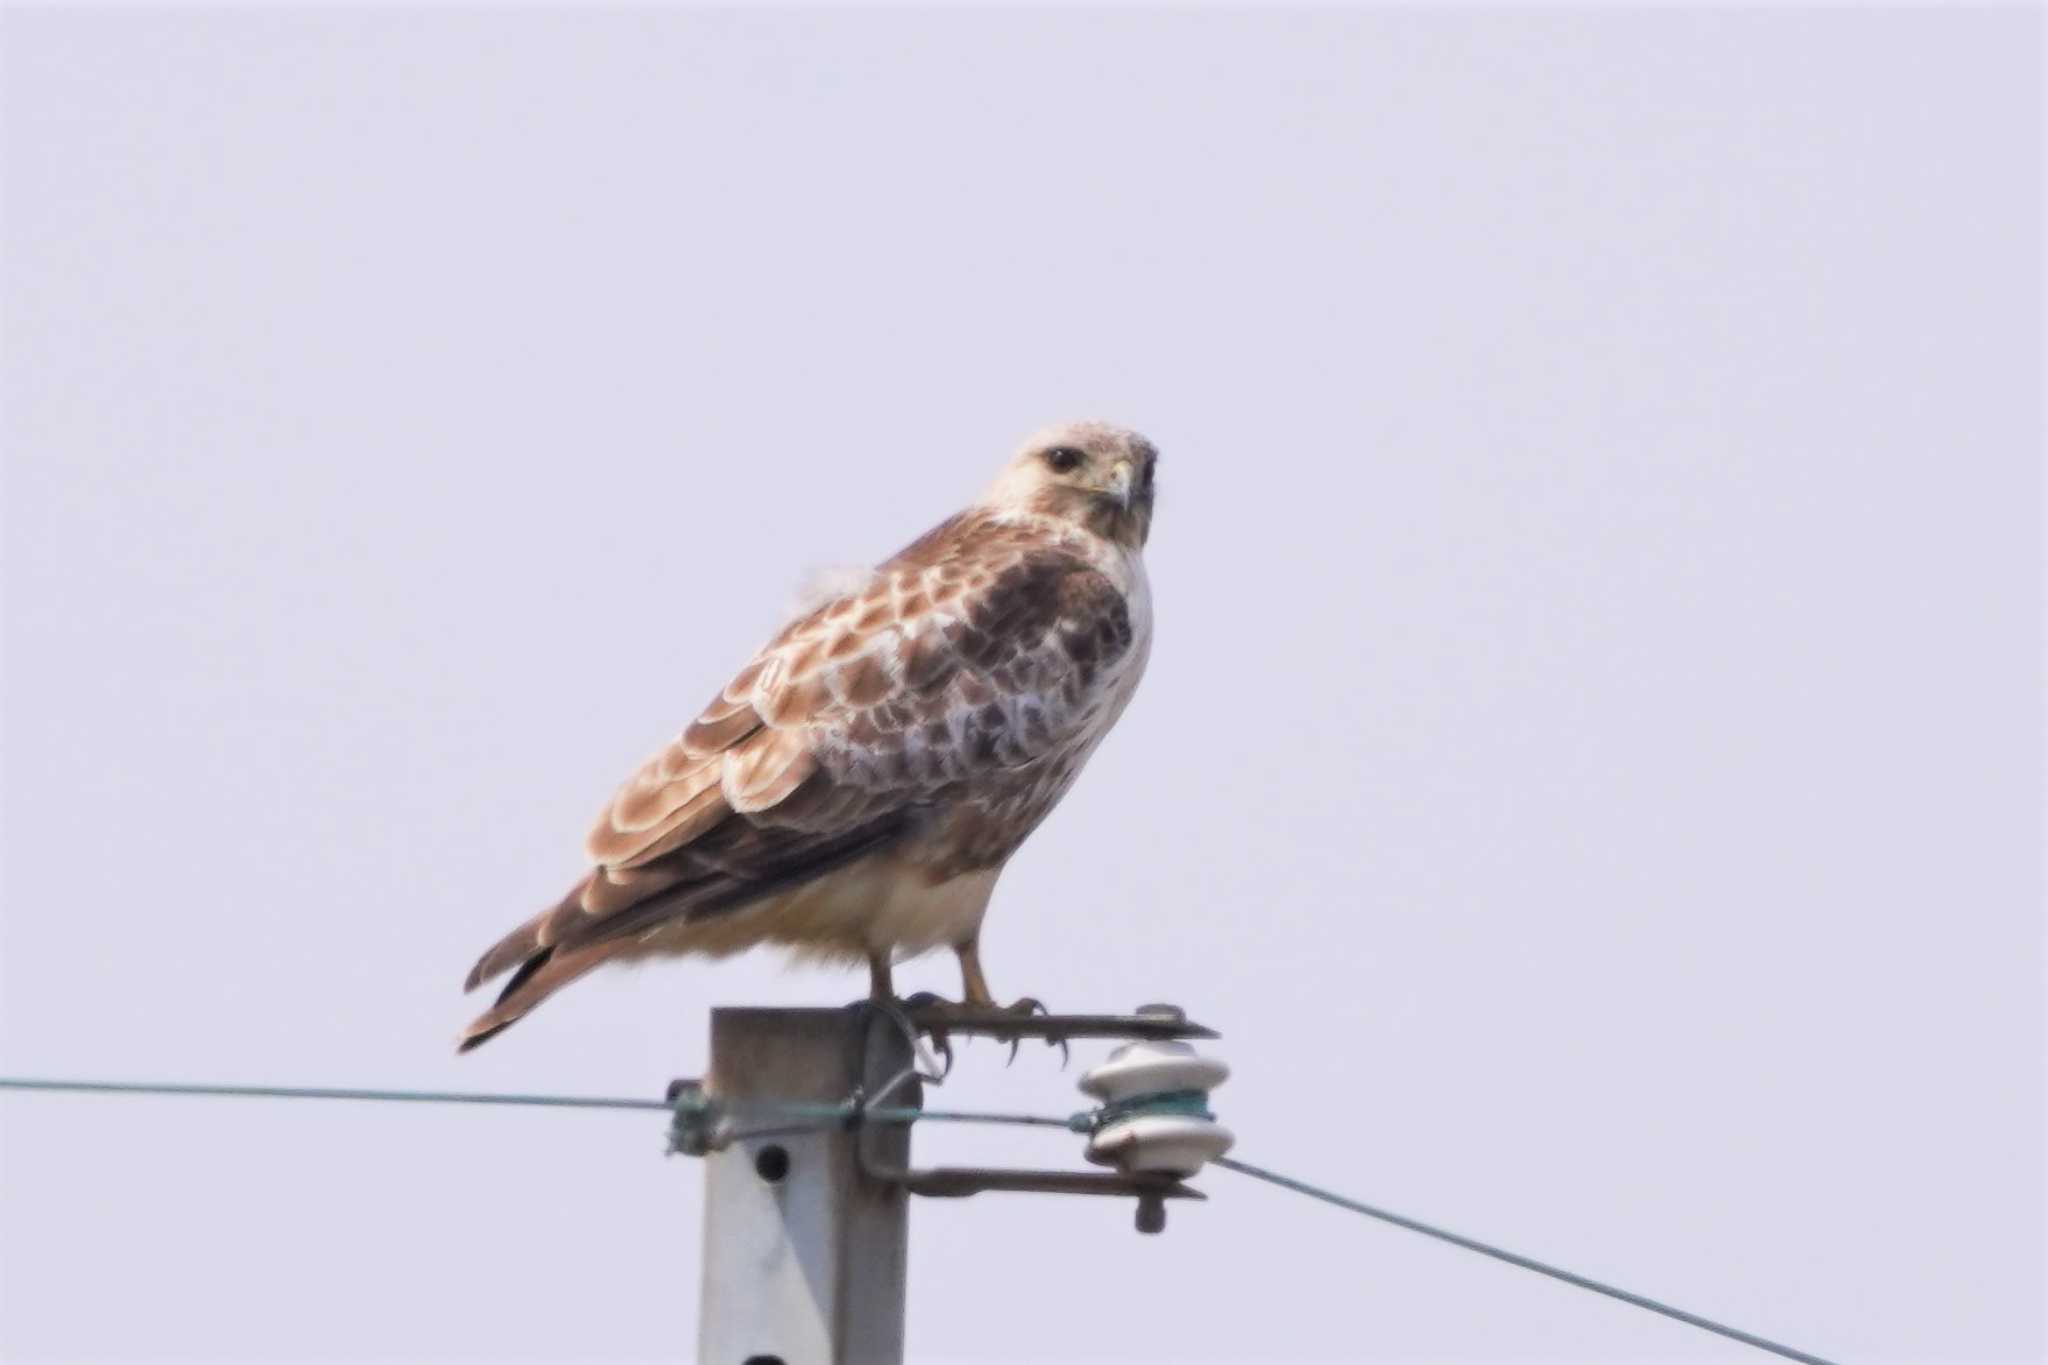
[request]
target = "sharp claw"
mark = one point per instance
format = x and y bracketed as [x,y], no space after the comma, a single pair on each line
[936,1008]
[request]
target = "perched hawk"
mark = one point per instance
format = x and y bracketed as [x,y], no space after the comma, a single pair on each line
[855,791]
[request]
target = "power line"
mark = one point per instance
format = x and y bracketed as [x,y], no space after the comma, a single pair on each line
[1525,1262]
[802,1114]
[297,1092]
[856,1110]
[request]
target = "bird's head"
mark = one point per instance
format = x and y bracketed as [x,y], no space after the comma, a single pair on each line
[1091,473]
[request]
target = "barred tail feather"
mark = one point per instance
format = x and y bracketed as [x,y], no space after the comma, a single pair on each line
[539,977]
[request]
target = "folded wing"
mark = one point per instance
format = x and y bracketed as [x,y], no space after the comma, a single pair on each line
[976,649]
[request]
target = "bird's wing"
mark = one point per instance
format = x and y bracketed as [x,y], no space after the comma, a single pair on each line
[977,648]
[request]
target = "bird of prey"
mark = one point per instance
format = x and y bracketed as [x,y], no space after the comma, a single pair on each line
[854,792]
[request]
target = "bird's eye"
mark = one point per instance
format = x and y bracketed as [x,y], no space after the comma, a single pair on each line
[1063,458]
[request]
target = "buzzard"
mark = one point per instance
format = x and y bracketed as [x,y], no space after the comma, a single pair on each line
[854,792]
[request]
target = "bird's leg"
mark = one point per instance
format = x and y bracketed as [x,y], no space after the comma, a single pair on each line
[974,992]
[974,986]
[881,985]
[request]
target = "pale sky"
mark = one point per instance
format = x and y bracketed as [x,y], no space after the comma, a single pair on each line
[1589,768]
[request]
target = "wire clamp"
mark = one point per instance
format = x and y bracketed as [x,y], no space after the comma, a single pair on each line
[693,1119]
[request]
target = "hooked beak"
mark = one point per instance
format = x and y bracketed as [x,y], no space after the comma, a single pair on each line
[1122,483]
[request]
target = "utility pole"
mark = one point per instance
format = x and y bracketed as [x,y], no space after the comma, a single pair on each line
[804,1251]
[806,1217]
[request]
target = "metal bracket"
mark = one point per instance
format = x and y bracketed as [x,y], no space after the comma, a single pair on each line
[699,1125]
[958,1182]
[1150,1021]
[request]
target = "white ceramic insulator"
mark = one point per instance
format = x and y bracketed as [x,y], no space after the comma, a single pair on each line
[1153,1068]
[1176,1144]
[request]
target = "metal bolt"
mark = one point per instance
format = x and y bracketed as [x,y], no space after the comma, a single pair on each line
[1171,1013]
[1151,1212]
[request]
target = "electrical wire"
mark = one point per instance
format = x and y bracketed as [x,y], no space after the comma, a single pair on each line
[1525,1262]
[296,1092]
[806,1115]
[810,1116]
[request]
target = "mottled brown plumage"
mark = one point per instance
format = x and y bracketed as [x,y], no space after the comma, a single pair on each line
[854,790]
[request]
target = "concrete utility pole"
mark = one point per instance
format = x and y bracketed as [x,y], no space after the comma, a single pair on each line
[806,1219]
[804,1252]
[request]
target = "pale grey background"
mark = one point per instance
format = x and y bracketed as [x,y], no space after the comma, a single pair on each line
[1590,767]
